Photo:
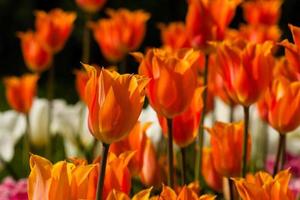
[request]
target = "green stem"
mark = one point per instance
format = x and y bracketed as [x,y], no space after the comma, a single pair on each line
[102,171]
[245,141]
[26,142]
[50,95]
[199,152]
[231,188]
[279,153]
[86,41]
[170,154]
[283,156]
[183,166]
[9,168]
[231,113]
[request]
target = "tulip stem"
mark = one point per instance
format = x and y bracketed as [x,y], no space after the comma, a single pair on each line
[102,171]
[86,41]
[283,152]
[245,141]
[231,188]
[26,145]
[183,166]
[51,77]
[280,152]
[170,154]
[231,113]
[199,152]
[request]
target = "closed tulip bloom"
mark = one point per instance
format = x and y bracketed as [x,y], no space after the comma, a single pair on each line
[265,12]
[54,28]
[173,79]
[264,186]
[174,35]
[246,71]
[207,20]
[283,104]
[21,91]
[109,92]
[226,145]
[210,174]
[36,56]
[185,125]
[292,51]
[90,6]
[123,32]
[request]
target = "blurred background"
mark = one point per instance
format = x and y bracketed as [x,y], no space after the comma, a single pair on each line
[18,15]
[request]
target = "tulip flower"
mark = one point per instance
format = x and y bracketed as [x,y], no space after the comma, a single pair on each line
[174,35]
[13,190]
[90,6]
[283,105]
[226,145]
[185,125]
[210,174]
[173,79]
[76,179]
[144,162]
[106,93]
[60,181]
[109,92]
[54,28]
[185,193]
[292,51]
[207,20]
[21,91]
[36,56]
[264,186]
[123,32]
[260,33]
[245,80]
[262,12]
[117,195]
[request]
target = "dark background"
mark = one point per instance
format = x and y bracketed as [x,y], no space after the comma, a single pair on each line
[17,15]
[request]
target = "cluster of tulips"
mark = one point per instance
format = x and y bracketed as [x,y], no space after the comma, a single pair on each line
[201,59]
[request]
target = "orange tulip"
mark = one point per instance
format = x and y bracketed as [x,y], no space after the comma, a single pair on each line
[80,83]
[260,33]
[173,79]
[54,28]
[264,186]
[90,6]
[36,56]
[186,193]
[144,162]
[211,176]
[265,12]
[174,35]
[123,32]
[185,125]
[117,174]
[21,91]
[241,68]
[282,103]
[216,83]
[292,51]
[60,181]
[109,92]
[207,20]
[226,145]
[117,195]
